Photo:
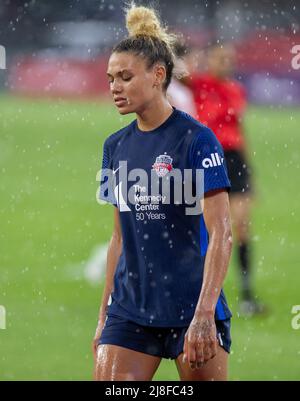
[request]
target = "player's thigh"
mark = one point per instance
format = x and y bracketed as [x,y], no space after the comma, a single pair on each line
[215,369]
[119,363]
[240,205]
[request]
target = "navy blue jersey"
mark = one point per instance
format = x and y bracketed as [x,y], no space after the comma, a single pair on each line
[159,274]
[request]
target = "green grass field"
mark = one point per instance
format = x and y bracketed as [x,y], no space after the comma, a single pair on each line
[50,152]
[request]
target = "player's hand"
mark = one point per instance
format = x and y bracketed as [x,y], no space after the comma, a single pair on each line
[101,323]
[200,341]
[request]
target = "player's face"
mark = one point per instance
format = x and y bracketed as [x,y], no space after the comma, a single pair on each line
[132,84]
[221,60]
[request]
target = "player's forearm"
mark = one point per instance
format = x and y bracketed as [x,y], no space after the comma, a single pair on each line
[113,255]
[215,269]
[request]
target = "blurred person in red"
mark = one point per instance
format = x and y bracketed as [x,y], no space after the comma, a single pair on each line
[221,103]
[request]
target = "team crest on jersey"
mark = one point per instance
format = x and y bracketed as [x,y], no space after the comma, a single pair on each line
[162,165]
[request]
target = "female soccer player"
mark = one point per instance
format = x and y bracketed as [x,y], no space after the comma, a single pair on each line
[221,102]
[163,296]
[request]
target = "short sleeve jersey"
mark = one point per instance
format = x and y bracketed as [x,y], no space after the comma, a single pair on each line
[159,274]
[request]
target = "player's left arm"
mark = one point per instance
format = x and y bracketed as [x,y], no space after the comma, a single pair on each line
[201,340]
[216,214]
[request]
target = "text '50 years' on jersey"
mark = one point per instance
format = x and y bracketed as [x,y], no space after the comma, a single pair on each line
[159,275]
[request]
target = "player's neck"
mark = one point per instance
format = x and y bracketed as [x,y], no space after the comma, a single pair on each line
[154,115]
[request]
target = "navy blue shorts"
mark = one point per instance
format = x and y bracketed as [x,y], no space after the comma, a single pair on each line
[164,342]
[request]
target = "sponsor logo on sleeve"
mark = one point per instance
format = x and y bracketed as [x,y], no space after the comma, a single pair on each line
[213,161]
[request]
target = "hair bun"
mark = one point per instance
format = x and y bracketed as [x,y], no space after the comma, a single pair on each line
[143,21]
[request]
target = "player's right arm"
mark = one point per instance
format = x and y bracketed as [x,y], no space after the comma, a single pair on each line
[113,255]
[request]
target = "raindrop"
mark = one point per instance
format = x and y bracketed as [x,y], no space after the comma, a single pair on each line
[165,234]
